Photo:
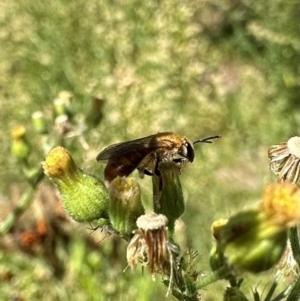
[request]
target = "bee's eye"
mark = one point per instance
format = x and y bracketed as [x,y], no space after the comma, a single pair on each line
[190,151]
[183,151]
[186,150]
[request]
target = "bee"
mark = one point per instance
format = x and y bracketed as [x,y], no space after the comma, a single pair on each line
[145,153]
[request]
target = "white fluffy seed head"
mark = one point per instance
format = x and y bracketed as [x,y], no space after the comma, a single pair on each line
[151,221]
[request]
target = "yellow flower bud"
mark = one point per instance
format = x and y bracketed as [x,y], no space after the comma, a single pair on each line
[19,147]
[251,241]
[125,204]
[85,198]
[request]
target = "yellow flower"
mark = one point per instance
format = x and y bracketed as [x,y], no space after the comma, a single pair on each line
[282,203]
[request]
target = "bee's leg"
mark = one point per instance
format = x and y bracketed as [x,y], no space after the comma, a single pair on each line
[179,160]
[144,171]
[148,173]
[156,171]
[180,163]
[161,184]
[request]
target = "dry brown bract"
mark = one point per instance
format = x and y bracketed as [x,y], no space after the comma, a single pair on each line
[149,244]
[285,160]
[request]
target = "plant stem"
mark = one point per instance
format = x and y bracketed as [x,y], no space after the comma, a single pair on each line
[212,277]
[295,245]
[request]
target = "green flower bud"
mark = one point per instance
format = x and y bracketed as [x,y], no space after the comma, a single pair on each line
[218,262]
[252,241]
[59,107]
[39,122]
[255,239]
[85,198]
[63,103]
[167,193]
[125,204]
[19,147]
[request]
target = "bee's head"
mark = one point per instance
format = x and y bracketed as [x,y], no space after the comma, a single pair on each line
[186,150]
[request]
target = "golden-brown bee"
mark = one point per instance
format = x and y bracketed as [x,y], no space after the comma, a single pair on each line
[145,153]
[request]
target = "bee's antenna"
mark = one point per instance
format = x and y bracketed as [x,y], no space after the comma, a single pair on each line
[207,139]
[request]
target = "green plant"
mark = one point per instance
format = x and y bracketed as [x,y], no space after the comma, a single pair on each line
[252,240]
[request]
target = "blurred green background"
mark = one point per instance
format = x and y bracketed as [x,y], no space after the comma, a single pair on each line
[197,68]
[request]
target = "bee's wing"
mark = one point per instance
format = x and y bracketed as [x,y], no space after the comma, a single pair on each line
[123,149]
